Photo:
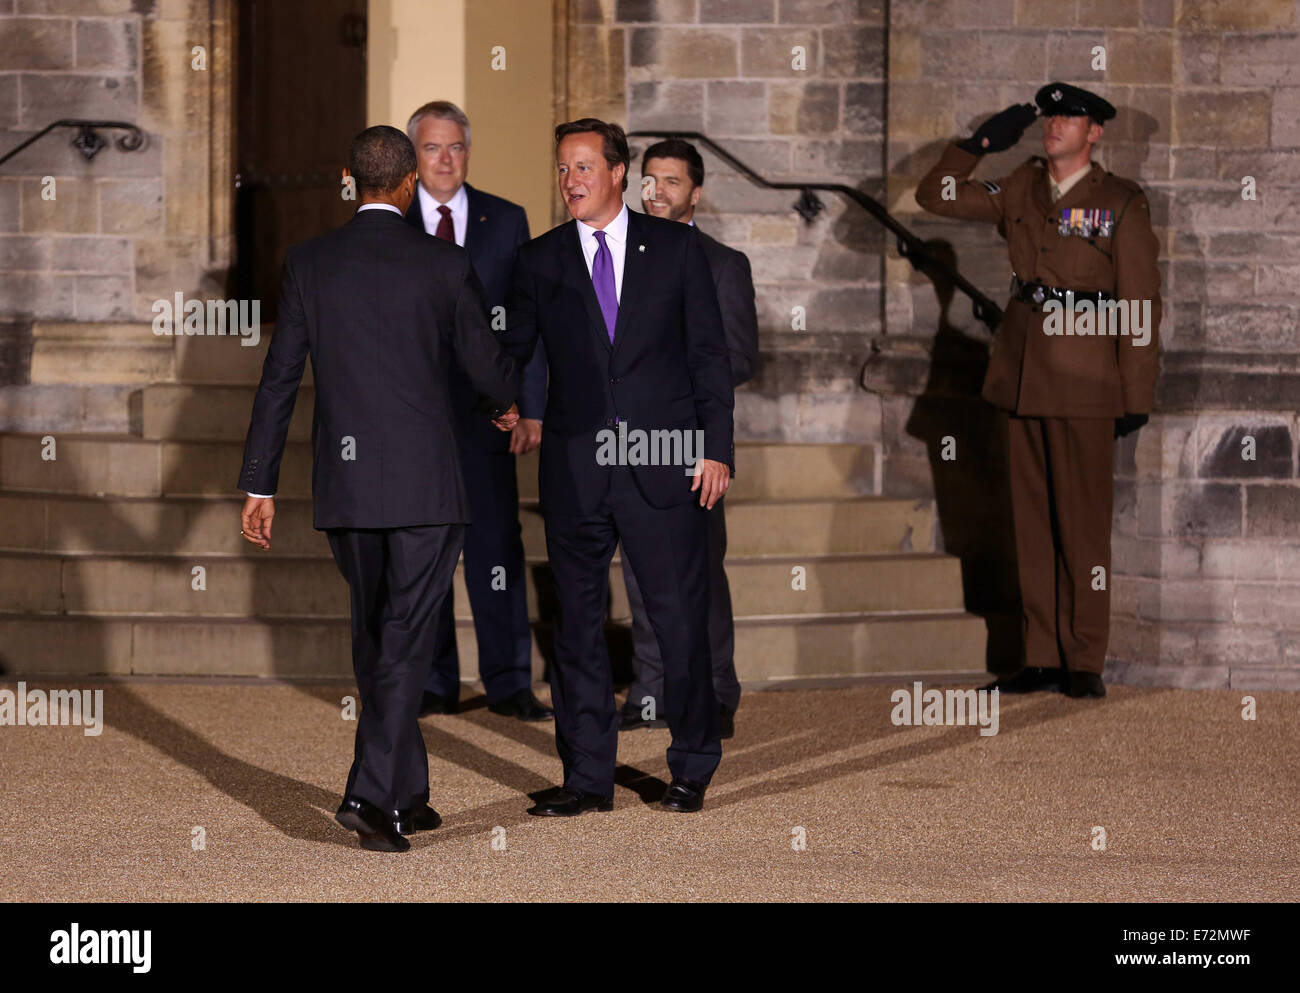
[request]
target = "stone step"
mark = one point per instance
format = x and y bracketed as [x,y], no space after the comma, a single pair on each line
[154,585]
[131,466]
[82,464]
[220,412]
[67,407]
[209,526]
[81,353]
[765,650]
[202,359]
[212,412]
[127,465]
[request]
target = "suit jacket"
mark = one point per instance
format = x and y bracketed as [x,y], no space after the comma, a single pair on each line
[381,309]
[667,368]
[493,233]
[1039,375]
[735,285]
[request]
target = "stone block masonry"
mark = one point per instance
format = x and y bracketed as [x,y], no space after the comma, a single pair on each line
[82,240]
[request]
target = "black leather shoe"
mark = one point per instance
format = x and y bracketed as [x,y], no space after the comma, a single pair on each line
[374,827]
[432,703]
[1084,684]
[629,719]
[417,819]
[684,796]
[525,706]
[726,723]
[1030,679]
[570,803]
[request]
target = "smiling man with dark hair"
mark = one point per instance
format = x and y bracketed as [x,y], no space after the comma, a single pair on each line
[672,177]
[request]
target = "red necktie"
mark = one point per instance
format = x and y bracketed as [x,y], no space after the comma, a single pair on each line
[445,231]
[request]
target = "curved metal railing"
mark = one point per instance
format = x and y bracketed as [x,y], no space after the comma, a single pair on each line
[88,140]
[809,205]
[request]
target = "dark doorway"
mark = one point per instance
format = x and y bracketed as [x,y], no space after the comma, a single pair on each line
[301,99]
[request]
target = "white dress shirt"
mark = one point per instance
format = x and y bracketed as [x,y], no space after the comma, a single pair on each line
[459,204]
[615,239]
[364,206]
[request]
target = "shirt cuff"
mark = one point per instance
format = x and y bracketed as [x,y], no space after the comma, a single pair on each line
[261,496]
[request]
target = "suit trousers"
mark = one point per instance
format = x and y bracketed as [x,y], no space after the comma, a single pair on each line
[492,541]
[1062,494]
[647,660]
[397,578]
[665,548]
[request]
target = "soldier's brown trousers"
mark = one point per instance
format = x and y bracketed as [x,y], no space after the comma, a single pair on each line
[1062,493]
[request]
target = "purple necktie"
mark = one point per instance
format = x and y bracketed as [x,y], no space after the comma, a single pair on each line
[602,275]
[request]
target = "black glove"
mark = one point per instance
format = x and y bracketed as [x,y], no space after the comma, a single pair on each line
[1129,423]
[1001,130]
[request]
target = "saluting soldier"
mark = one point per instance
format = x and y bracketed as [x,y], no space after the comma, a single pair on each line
[1073,364]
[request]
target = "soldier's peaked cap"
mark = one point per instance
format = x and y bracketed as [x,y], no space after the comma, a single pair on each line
[1072,101]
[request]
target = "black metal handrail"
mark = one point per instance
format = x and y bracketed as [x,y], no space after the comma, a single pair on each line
[809,205]
[88,140]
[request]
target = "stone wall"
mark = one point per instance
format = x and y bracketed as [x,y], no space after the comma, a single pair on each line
[1207,543]
[726,68]
[124,228]
[1207,558]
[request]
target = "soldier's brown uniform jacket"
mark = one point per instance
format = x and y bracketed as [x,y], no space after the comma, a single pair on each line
[1031,373]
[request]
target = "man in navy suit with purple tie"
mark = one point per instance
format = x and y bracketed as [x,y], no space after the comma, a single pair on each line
[626,306]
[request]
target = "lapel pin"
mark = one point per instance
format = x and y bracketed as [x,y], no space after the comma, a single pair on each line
[640,248]
[482,217]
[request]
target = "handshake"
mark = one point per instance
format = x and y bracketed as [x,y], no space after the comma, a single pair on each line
[525,433]
[507,420]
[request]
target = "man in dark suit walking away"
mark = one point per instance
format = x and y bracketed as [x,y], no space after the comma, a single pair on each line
[380,309]
[672,177]
[491,230]
[635,350]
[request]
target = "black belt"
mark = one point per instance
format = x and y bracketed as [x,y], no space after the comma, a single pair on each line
[1038,293]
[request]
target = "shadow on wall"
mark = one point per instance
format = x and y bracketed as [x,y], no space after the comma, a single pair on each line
[15,352]
[929,382]
[966,445]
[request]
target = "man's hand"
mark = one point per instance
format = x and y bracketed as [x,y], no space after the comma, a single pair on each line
[255,522]
[526,436]
[712,479]
[1002,130]
[508,420]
